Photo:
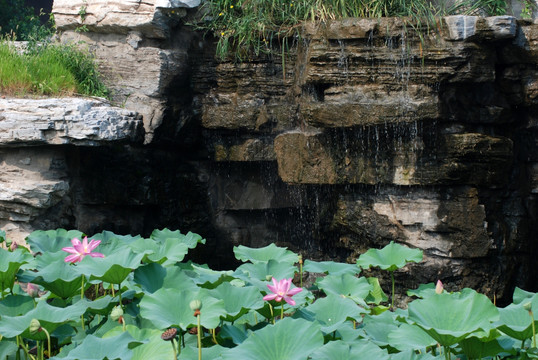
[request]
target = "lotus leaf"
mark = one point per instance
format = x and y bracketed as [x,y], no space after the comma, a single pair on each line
[51,240]
[280,341]
[449,318]
[10,262]
[49,316]
[190,239]
[114,268]
[348,285]
[169,307]
[410,337]
[332,311]
[330,267]
[150,277]
[264,254]
[93,348]
[237,300]
[391,257]
[264,270]
[361,349]
[515,321]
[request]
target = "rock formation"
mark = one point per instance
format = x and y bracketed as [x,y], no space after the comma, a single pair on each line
[367,134]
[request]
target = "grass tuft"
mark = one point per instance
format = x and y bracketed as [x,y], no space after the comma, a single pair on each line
[250,27]
[47,69]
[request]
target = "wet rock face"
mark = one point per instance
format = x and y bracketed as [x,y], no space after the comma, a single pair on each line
[387,138]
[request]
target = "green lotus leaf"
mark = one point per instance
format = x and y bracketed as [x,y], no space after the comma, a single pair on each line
[376,295]
[204,276]
[2,236]
[113,268]
[449,318]
[10,263]
[190,239]
[55,275]
[49,316]
[412,355]
[169,307]
[15,305]
[237,300]
[93,348]
[378,327]
[108,237]
[150,277]
[263,270]
[210,353]
[408,337]
[515,321]
[264,254]
[337,350]
[237,333]
[178,279]
[52,240]
[330,267]
[155,348]
[168,252]
[101,306]
[330,312]
[8,349]
[287,339]
[391,257]
[474,348]
[348,285]
[423,291]
[521,295]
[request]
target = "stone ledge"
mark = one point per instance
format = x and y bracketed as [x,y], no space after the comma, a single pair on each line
[66,121]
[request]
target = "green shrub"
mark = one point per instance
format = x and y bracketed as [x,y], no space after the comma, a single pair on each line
[18,20]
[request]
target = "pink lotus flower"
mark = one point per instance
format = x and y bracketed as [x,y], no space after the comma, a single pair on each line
[281,290]
[439,287]
[31,289]
[79,250]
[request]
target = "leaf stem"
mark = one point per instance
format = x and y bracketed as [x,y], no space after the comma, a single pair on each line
[174,347]
[48,339]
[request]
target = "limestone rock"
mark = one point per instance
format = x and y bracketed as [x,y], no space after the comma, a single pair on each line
[461,27]
[74,121]
[357,158]
[152,18]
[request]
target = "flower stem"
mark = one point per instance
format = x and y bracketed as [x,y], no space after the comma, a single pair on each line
[282,311]
[119,294]
[199,338]
[113,291]
[392,298]
[533,329]
[272,314]
[213,333]
[82,288]
[301,270]
[48,340]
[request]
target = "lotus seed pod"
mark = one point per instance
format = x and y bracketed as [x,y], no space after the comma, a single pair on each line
[35,326]
[195,305]
[116,313]
[527,306]
[169,334]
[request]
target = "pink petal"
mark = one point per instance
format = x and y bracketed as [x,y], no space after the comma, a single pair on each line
[270,297]
[70,250]
[96,254]
[75,241]
[73,258]
[294,291]
[289,300]
[286,285]
[272,288]
[85,242]
[93,244]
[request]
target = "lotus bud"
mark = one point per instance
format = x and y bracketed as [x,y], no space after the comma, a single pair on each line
[32,290]
[269,277]
[35,326]
[439,287]
[116,313]
[196,305]
[527,306]
[13,246]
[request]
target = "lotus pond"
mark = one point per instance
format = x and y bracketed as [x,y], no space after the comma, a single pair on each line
[111,297]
